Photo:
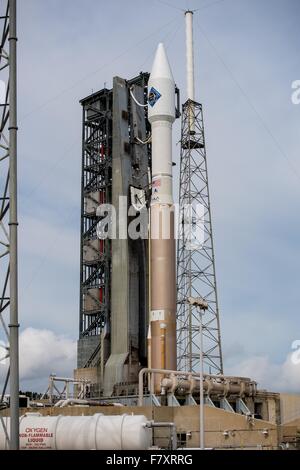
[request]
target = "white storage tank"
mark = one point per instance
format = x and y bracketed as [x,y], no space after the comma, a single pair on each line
[98,432]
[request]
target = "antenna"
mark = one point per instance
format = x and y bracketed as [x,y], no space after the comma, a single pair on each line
[190,78]
[196,277]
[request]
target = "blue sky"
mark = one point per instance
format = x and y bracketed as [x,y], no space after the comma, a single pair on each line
[246,57]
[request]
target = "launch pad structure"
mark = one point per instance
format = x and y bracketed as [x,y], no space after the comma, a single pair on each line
[116,167]
[113,162]
[126,301]
[196,276]
[198,333]
[115,302]
[127,330]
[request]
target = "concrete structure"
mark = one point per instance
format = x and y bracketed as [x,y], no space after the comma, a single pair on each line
[289,407]
[223,429]
[129,301]
[290,420]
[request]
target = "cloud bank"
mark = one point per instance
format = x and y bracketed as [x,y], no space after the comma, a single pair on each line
[275,377]
[42,352]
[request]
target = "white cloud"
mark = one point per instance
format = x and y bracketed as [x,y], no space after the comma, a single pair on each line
[284,377]
[43,352]
[47,239]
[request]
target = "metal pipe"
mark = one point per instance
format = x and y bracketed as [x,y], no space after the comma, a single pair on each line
[172,426]
[70,401]
[149,346]
[190,68]
[227,384]
[149,293]
[201,386]
[210,386]
[68,379]
[190,56]
[163,327]
[13,230]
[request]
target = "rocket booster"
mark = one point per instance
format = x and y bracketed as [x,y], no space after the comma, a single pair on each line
[161,114]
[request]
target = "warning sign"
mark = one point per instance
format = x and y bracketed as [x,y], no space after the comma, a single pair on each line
[36,438]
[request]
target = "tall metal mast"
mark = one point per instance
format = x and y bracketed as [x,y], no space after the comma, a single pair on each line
[8,216]
[195,252]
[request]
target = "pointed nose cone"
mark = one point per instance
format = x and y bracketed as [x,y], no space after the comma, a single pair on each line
[161,88]
[161,67]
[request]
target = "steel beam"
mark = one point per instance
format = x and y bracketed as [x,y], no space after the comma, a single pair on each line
[196,276]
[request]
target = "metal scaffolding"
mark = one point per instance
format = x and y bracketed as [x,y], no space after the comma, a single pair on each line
[95,190]
[8,219]
[195,252]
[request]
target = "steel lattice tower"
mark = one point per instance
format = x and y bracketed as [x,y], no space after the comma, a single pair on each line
[95,190]
[9,325]
[98,127]
[195,252]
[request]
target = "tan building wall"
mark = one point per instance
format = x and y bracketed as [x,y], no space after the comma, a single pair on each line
[223,429]
[87,373]
[290,407]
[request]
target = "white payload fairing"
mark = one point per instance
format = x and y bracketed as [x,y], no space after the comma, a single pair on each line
[161,114]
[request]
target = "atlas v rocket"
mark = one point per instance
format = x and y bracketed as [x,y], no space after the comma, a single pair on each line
[161,114]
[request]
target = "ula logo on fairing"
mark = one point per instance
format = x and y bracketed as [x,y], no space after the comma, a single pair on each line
[153,97]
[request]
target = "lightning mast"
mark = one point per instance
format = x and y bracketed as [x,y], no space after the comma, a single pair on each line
[196,275]
[8,219]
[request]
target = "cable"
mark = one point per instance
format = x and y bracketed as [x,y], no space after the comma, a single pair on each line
[170,5]
[59,160]
[189,9]
[55,164]
[43,260]
[78,82]
[206,5]
[50,249]
[164,39]
[174,34]
[136,101]
[144,142]
[264,124]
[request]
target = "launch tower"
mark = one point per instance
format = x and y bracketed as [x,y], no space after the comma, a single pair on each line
[113,328]
[196,276]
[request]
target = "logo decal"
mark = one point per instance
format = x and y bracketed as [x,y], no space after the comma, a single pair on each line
[153,97]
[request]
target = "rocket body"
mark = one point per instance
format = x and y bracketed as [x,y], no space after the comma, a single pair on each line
[161,114]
